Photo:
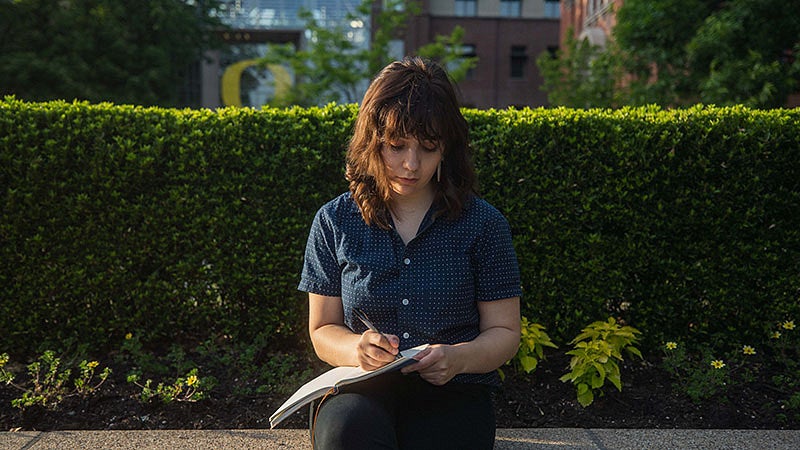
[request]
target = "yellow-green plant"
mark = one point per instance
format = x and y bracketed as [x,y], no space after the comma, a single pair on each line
[699,374]
[596,355]
[5,376]
[533,340]
[83,383]
[785,341]
[189,388]
[703,371]
[49,381]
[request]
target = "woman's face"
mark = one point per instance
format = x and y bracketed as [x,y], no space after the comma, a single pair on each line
[410,165]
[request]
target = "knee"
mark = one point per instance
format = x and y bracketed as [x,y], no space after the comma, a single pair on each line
[353,425]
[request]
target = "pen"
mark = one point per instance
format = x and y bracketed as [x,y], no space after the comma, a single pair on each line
[362,316]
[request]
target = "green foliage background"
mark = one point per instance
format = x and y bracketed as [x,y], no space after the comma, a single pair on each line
[136,51]
[680,53]
[184,224]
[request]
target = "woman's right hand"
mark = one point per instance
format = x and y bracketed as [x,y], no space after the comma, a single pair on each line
[375,350]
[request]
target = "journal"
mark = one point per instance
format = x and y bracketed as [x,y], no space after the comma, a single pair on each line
[334,379]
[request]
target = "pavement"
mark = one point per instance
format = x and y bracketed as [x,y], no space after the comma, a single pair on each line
[507,439]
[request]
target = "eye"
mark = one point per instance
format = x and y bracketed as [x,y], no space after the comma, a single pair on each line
[430,146]
[394,145]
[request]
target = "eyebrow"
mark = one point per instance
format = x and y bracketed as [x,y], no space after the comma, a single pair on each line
[425,142]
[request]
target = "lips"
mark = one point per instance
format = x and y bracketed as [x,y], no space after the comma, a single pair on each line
[408,181]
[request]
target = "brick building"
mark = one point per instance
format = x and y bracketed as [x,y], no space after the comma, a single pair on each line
[589,19]
[594,20]
[506,35]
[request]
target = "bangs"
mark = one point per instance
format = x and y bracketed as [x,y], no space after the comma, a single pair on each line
[414,115]
[412,98]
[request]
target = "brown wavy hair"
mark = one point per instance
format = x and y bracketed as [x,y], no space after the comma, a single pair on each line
[412,97]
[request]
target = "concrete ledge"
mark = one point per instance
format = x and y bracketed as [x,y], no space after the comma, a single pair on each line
[507,439]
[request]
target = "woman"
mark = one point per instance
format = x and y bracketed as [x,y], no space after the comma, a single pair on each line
[428,261]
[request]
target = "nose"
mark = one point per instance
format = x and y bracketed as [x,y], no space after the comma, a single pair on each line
[411,158]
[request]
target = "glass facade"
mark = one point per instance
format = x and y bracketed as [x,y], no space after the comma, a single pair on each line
[552,9]
[283,14]
[257,84]
[466,8]
[510,8]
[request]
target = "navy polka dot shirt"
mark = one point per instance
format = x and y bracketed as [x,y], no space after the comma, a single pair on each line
[424,292]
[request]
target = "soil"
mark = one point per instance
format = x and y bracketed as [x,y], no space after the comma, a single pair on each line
[648,400]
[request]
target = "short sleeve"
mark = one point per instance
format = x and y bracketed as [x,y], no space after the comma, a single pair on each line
[497,270]
[321,272]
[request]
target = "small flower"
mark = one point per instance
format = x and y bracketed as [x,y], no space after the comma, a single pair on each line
[672,345]
[776,335]
[192,380]
[129,336]
[717,364]
[748,350]
[93,364]
[788,325]
[3,359]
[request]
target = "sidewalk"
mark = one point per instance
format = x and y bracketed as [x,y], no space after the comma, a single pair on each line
[507,439]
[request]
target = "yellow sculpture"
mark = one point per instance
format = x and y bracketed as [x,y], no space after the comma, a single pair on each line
[231,81]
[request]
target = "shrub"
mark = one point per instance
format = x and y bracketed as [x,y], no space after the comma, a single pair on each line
[533,340]
[119,219]
[48,381]
[596,356]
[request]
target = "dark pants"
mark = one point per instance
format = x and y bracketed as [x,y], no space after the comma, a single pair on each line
[396,411]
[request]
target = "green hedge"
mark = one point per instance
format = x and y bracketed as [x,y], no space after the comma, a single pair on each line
[686,223]
[163,222]
[184,224]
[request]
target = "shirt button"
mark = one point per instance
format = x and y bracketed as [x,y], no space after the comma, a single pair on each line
[406,335]
[405,301]
[406,261]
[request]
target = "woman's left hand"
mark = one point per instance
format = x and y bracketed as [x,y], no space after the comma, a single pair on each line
[435,364]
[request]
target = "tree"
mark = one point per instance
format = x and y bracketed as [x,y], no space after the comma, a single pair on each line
[653,35]
[746,53]
[680,52]
[327,70]
[447,50]
[580,75]
[101,50]
[332,68]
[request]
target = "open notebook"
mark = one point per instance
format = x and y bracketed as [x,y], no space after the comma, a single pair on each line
[333,380]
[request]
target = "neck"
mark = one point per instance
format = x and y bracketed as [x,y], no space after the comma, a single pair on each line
[405,206]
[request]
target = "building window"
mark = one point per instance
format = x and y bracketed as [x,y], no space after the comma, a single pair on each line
[190,91]
[510,8]
[468,51]
[518,61]
[597,6]
[552,9]
[464,52]
[466,8]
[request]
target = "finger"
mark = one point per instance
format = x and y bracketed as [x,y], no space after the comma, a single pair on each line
[427,358]
[379,347]
[387,342]
[394,341]
[423,362]
[409,368]
[435,375]
[375,358]
[423,353]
